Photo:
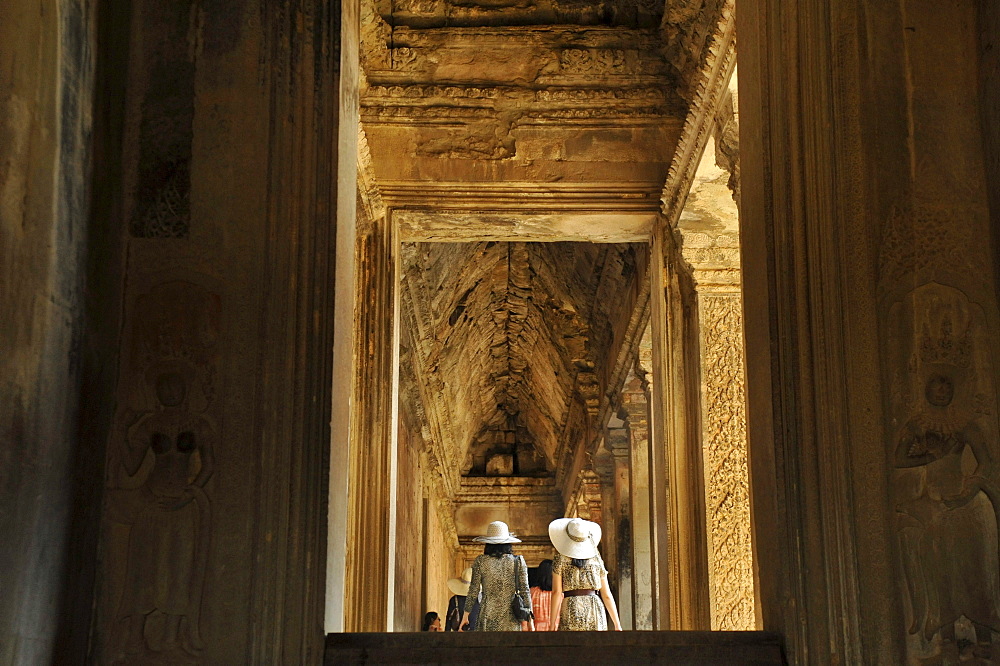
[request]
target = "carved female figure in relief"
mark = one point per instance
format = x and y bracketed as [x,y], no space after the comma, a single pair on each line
[168,453]
[947,509]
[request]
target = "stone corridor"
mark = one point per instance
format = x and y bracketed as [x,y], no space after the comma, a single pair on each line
[296,297]
[522,156]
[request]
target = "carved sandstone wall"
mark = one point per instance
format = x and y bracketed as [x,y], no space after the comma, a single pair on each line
[872,342]
[215,472]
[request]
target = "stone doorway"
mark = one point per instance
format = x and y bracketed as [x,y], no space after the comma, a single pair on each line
[564,317]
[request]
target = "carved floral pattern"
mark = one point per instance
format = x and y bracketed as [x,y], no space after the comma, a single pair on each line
[727,481]
[592,61]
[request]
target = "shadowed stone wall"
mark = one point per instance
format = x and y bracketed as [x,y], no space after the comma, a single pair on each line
[46,56]
[872,344]
[212,532]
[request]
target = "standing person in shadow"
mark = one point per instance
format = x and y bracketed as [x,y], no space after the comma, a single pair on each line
[541,595]
[456,605]
[579,578]
[497,575]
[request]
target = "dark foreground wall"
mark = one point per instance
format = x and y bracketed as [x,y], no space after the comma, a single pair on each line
[45,110]
[167,222]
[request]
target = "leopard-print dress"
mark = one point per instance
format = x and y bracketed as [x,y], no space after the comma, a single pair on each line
[585,613]
[498,578]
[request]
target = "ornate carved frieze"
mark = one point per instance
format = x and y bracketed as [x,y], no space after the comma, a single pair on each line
[645,14]
[435,104]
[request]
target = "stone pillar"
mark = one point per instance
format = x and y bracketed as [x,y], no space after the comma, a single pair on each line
[635,402]
[369,568]
[678,478]
[349,150]
[46,56]
[872,327]
[604,468]
[727,484]
[618,443]
[710,227]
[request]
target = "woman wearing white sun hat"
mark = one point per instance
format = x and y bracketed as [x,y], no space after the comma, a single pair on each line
[498,574]
[579,577]
[456,605]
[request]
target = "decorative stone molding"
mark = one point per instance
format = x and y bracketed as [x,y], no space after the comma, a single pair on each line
[727,138]
[708,94]
[368,187]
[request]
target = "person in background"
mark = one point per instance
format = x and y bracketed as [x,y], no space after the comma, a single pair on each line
[541,595]
[579,578]
[456,605]
[498,574]
[432,622]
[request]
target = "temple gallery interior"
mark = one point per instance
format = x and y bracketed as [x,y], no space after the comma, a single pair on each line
[297,298]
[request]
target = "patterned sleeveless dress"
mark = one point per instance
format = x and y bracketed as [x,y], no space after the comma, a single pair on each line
[495,577]
[585,613]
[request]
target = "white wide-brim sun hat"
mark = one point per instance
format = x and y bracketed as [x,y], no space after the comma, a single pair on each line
[497,532]
[460,586]
[575,537]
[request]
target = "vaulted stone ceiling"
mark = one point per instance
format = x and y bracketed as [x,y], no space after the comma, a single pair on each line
[507,335]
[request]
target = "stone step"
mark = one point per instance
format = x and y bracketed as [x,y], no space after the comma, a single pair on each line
[701,648]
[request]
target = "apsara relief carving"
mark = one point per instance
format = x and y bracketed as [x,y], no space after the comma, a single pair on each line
[945,478]
[159,466]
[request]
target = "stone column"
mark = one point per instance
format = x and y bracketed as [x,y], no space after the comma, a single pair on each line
[710,227]
[46,56]
[349,149]
[872,327]
[215,468]
[604,468]
[727,486]
[678,479]
[635,402]
[619,444]
[369,569]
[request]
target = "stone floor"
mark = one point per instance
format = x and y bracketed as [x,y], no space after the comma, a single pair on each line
[703,648]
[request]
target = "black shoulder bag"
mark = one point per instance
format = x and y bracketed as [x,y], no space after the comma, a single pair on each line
[518,608]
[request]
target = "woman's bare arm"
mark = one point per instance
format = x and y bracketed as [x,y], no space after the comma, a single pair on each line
[609,602]
[556,603]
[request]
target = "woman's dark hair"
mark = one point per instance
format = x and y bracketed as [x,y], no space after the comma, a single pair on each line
[577,562]
[429,618]
[498,549]
[543,577]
